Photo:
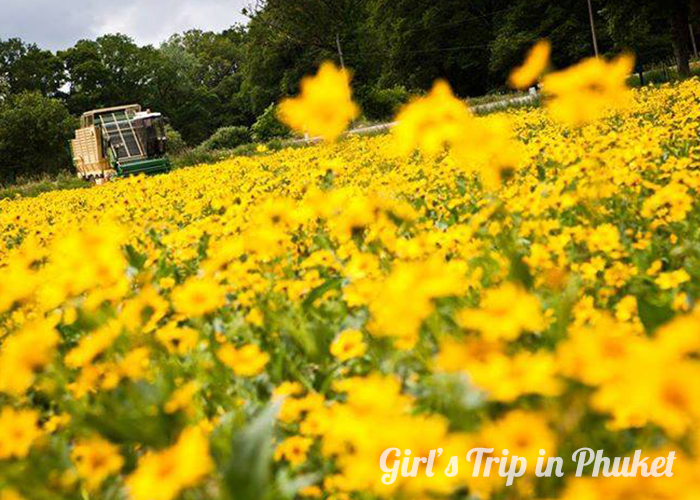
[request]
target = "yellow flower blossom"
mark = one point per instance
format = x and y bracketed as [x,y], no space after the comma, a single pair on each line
[324,107]
[178,340]
[294,450]
[24,353]
[198,296]
[348,345]
[672,279]
[588,90]
[535,63]
[246,361]
[433,122]
[19,430]
[504,313]
[96,459]
[163,475]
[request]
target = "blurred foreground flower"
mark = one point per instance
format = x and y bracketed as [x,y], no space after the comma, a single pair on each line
[18,431]
[325,106]
[533,67]
[588,90]
[95,459]
[247,361]
[433,122]
[162,475]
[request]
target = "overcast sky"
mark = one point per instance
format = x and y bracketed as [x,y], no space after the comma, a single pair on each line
[58,24]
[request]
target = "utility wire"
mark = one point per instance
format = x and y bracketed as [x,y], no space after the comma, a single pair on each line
[463,21]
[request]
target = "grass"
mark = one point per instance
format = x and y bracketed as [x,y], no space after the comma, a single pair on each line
[29,188]
[494,97]
[663,73]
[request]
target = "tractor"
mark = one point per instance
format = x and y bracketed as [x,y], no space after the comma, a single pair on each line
[119,142]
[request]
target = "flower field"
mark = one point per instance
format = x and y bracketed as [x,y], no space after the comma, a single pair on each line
[264,328]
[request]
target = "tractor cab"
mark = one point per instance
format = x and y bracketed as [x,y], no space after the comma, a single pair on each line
[118,142]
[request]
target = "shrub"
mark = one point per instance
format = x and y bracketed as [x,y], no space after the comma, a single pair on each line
[176,145]
[268,127]
[383,103]
[196,156]
[34,136]
[227,138]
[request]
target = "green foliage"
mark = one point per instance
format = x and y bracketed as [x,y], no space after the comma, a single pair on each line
[248,465]
[227,138]
[25,67]
[34,135]
[109,71]
[564,23]
[383,103]
[175,143]
[268,127]
[33,188]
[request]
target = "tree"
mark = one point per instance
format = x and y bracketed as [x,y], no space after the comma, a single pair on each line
[639,27]
[34,135]
[288,39]
[564,23]
[208,65]
[419,42]
[25,67]
[679,20]
[653,29]
[109,71]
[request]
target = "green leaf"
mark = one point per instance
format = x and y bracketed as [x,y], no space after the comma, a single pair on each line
[248,472]
[318,292]
[653,315]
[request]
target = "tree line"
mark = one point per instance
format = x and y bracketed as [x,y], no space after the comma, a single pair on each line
[203,81]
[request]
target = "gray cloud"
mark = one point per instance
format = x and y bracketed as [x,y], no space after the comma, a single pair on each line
[56,24]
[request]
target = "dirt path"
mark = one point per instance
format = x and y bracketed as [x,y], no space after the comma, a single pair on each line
[383,127]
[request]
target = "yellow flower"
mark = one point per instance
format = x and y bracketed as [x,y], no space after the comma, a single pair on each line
[134,365]
[590,89]
[24,353]
[19,430]
[626,309]
[198,296]
[294,450]
[535,64]
[182,398]
[93,345]
[163,475]
[325,106]
[287,389]
[7,494]
[433,122]
[311,492]
[673,279]
[670,203]
[504,313]
[605,238]
[166,283]
[56,422]
[144,311]
[255,317]
[96,459]
[177,340]
[247,361]
[506,379]
[405,298]
[348,345]
[522,433]
[592,353]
